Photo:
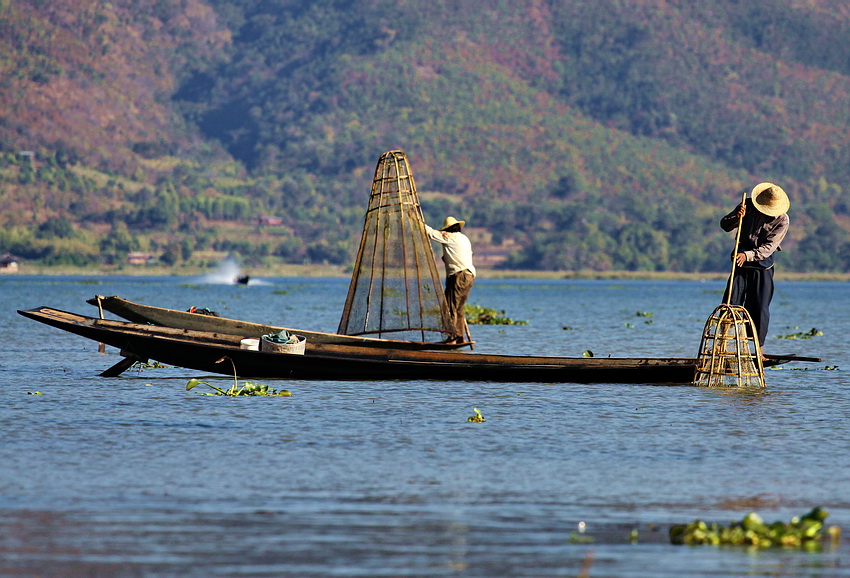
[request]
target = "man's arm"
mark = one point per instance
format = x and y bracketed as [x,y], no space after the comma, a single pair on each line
[730,221]
[436,235]
[772,241]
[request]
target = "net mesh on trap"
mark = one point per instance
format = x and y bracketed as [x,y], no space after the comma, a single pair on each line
[395,290]
[729,351]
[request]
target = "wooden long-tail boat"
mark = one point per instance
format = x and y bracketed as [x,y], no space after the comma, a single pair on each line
[217,352]
[162,316]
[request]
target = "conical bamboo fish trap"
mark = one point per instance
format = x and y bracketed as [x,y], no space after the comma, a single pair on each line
[396,290]
[729,351]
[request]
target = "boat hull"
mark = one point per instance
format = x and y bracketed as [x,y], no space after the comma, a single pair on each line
[221,353]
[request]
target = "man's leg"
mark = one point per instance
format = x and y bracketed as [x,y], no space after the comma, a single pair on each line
[758,298]
[463,286]
[451,304]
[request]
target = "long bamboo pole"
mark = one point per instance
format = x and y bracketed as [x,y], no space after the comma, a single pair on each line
[735,251]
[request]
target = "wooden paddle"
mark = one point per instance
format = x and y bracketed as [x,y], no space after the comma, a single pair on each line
[468,334]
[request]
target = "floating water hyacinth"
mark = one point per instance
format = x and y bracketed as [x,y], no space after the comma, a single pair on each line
[805,531]
[478,315]
[249,388]
[813,332]
[139,365]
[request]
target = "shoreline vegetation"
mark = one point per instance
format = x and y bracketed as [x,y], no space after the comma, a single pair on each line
[287,270]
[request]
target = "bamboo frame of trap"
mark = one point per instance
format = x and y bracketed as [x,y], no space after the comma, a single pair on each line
[395,289]
[729,351]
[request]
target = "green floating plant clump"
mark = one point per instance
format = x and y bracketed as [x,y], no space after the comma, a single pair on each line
[813,332]
[801,531]
[249,388]
[478,315]
[139,365]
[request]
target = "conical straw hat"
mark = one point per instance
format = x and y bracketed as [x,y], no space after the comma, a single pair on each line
[451,221]
[770,199]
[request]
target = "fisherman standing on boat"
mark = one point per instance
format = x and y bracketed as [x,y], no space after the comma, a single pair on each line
[460,272]
[764,226]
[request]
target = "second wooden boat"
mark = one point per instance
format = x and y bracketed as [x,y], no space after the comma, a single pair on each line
[164,317]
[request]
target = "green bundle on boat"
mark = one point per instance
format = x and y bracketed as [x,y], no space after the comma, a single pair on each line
[283,342]
[283,336]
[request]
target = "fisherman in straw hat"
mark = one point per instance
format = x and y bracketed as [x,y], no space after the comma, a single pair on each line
[460,272]
[764,226]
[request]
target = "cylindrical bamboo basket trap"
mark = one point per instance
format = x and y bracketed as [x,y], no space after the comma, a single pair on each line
[396,290]
[729,351]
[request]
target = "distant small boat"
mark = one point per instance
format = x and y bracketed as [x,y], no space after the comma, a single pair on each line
[242,279]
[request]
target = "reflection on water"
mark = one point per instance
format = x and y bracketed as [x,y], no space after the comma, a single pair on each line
[377,540]
[136,476]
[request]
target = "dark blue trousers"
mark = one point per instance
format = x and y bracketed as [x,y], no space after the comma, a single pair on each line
[753,288]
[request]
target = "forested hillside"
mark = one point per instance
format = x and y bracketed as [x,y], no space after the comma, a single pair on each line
[594,134]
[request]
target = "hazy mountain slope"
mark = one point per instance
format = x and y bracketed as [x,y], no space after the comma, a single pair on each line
[394,70]
[601,134]
[95,79]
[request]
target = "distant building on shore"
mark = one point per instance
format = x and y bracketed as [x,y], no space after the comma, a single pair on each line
[8,263]
[270,220]
[140,258]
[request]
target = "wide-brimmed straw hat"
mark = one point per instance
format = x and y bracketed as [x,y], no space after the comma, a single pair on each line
[770,199]
[451,221]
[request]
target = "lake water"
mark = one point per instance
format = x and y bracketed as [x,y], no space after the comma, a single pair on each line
[134,476]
